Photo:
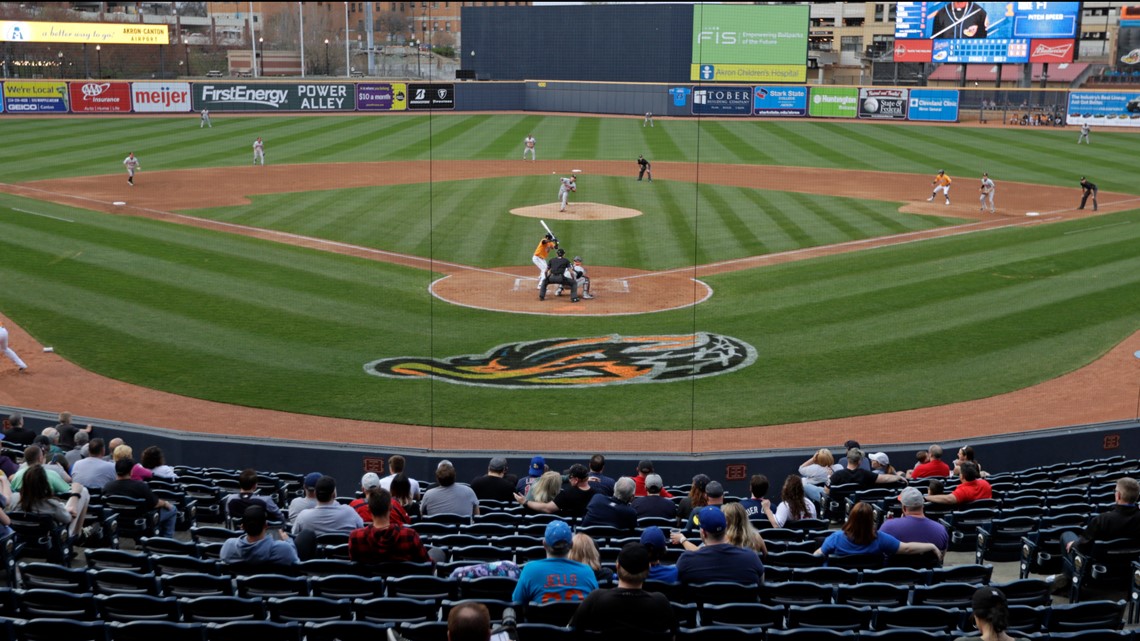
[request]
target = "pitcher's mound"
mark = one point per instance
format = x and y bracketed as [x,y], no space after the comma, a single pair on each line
[577,211]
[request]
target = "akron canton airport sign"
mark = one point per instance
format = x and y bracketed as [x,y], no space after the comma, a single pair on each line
[557,363]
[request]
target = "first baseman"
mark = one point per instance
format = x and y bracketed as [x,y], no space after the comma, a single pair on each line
[987,190]
[12,356]
[567,185]
[258,151]
[941,183]
[1084,134]
[206,120]
[528,147]
[547,243]
[1088,189]
[132,165]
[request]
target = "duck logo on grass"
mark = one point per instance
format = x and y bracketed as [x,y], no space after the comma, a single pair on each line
[580,362]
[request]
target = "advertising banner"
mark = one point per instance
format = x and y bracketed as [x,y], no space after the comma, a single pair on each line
[834,102]
[883,104]
[160,97]
[226,96]
[123,33]
[1,99]
[35,97]
[1103,109]
[913,50]
[381,96]
[1051,51]
[749,43]
[779,101]
[935,105]
[100,97]
[431,96]
[722,101]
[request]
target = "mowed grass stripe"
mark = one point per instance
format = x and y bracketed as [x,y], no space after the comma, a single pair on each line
[509,143]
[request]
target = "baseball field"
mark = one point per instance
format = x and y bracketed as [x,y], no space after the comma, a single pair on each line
[772,273]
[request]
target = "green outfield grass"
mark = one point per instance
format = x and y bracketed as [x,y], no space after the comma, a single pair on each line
[251,322]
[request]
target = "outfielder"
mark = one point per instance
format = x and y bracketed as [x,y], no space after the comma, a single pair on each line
[1089,189]
[132,165]
[547,243]
[941,183]
[568,185]
[987,190]
[12,356]
[258,152]
[648,119]
[1084,134]
[206,120]
[528,147]
[643,168]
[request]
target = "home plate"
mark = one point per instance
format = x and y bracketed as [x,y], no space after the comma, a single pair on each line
[1032,213]
[119,203]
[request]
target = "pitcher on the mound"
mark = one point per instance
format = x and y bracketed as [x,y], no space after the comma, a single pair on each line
[941,183]
[568,185]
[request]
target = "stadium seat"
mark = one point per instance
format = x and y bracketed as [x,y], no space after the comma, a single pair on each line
[42,537]
[193,585]
[1026,592]
[976,574]
[907,635]
[247,630]
[825,575]
[346,631]
[123,582]
[488,587]
[554,612]
[944,595]
[51,576]
[721,633]
[425,631]
[221,609]
[265,586]
[722,592]
[909,577]
[154,546]
[109,559]
[156,631]
[136,607]
[495,606]
[424,587]
[744,615]
[857,561]
[829,617]
[309,609]
[546,632]
[57,604]
[1000,539]
[811,634]
[172,564]
[55,629]
[393,610]
[802,593]
[1090,615]
[874,595]
[1106,564]
[347,586]
[918,617]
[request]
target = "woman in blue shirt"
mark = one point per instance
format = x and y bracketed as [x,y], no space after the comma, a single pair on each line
[859,536]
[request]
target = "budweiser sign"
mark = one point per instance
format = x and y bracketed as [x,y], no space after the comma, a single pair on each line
[100,97]
[1051,51]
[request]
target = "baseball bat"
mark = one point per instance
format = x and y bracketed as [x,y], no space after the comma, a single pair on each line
[544,226]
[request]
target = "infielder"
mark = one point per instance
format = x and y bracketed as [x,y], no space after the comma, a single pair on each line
[568,185]
[547,243]
[1084,134]
[987,190]
[132,165]
[206,120]
[1089,190]
[648,119]
[258,152]
[528,147]
[941,183]
[12,356]
[643,168]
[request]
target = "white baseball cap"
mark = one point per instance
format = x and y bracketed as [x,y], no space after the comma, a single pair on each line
[880,458]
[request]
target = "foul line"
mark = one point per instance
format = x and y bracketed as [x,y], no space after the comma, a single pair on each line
[25,211]
[1081,231]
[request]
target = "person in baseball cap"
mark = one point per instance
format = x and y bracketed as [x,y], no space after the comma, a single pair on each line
[644,469]
[627,607]
[881,463]
[718,560]
[913,526]
[711,520]
[537,468]
[991,613]
[654,541]
[302,503]
[557,577]
[369,483]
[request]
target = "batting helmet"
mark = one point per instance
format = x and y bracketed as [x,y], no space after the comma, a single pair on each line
[548,237]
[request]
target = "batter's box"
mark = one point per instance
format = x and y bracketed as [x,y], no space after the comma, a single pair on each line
[618,286]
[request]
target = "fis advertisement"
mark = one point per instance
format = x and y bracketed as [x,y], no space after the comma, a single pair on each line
[722,101]
[779,101]
[225,96]
[882,104]
[749,43]
[834,102]
[934,105]
[1103,109]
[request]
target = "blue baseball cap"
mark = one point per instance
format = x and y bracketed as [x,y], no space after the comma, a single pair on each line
[711,520]
[311,479]
[558,534]
[537,466]
[654,540]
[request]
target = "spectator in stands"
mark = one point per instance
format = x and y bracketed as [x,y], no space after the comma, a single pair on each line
[402,493]
[598,480]
[67,431]
[697,497]
[534,472]
[153,460]
[571,501]
[754,505]
[585,551]
[544,489]
[933,465]
[613,510]
[369,483]
[48,440]
[858,536]
[655,542]
[93,471]
[469,621]
[247,495]
[841,464]
[396,464]
[256,546]
[302,503]
[644,469]
[495,485]
[712,493]
[382,540]
[140,473]
[79,451]
[38,497]
[449,497]
[5,504]
[991,615]
[965,454]
[327,517]
[1121,522]
[740,531]
[555,578]
[881,464]
[817,469]
[717,559]
[111,445]
[15,433]
[57,476]
[627,608]
[793,504]
[855,473]
[913,526]
[124,485]
[77,496]
[653,504]
[972,488]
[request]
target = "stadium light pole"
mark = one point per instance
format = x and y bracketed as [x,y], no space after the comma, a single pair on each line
[99,58]
[327,56]
[60,64]
[252,41]
[347,59]
[301,14]
[1137,355]
[186,49]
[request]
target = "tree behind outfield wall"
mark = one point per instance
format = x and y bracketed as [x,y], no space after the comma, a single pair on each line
[282,31]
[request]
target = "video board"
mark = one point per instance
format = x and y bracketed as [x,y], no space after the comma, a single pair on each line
[985,32]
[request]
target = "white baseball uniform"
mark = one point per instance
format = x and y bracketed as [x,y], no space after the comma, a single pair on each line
[528,147]
[132,165]
[12,356]
[206,119]
[988,189]
[648,119]
[258,152]
[1084,134]
[568,185]
[580,274]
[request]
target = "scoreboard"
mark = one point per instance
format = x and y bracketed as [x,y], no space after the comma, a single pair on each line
[986,32]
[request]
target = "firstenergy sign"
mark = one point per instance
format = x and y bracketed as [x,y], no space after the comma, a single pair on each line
[85,32]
